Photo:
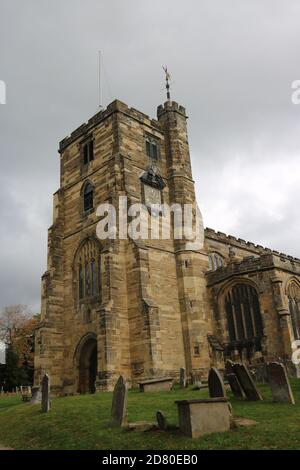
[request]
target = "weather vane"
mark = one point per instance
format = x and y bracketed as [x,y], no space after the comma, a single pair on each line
[168,78]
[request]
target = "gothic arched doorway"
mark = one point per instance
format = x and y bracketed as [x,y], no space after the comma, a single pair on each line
[87,364]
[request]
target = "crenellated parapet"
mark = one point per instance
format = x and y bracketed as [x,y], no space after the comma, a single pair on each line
[253,264]
[114,107]
[246,245]
[170,106]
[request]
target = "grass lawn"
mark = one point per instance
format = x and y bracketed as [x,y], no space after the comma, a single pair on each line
[82,422]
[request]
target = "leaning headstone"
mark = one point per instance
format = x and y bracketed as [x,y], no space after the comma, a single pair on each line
[161,420]
[36,395]
[182,379]
[279,383]
[45,393]
[119,403]
[215,384]
[246,381]
[235,386]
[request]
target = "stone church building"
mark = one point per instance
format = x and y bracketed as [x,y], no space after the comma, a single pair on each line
[145,308]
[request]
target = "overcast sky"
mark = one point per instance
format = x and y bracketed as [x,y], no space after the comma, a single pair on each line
[232,63]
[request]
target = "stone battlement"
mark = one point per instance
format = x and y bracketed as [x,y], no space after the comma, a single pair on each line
[170,106]
[115,106]
[252,264]
[240,243]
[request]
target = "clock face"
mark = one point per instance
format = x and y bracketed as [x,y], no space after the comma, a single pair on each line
[152,195]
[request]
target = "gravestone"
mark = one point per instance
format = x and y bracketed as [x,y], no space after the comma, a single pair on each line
[196,379]
[246,382]
[235,386]
[279,383]
[161,420]
[215,384]
[45,394]
[182,380]
[156,385]
[36,395]
[198,417]
[119,403]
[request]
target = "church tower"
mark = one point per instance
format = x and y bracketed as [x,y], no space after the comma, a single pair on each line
[135,307]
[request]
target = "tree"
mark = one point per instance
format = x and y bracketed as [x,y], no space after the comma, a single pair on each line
[17,330]
[13,375]
[23,341]
[12,318]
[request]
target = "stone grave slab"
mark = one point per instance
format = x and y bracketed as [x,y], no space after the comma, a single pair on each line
[199,417]
[156,385]
[119,403]
[279,383]
[215,384]
[246,382]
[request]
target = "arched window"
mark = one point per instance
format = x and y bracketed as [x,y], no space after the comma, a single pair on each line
[88,151]
[293,292]
[88,197]
[215,261]
[152,147]
[243,313]
[87,265]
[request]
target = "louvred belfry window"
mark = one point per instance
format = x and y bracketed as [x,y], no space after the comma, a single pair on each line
[88,152]
[152,148]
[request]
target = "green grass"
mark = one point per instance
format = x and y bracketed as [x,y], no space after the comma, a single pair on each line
[82,422]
